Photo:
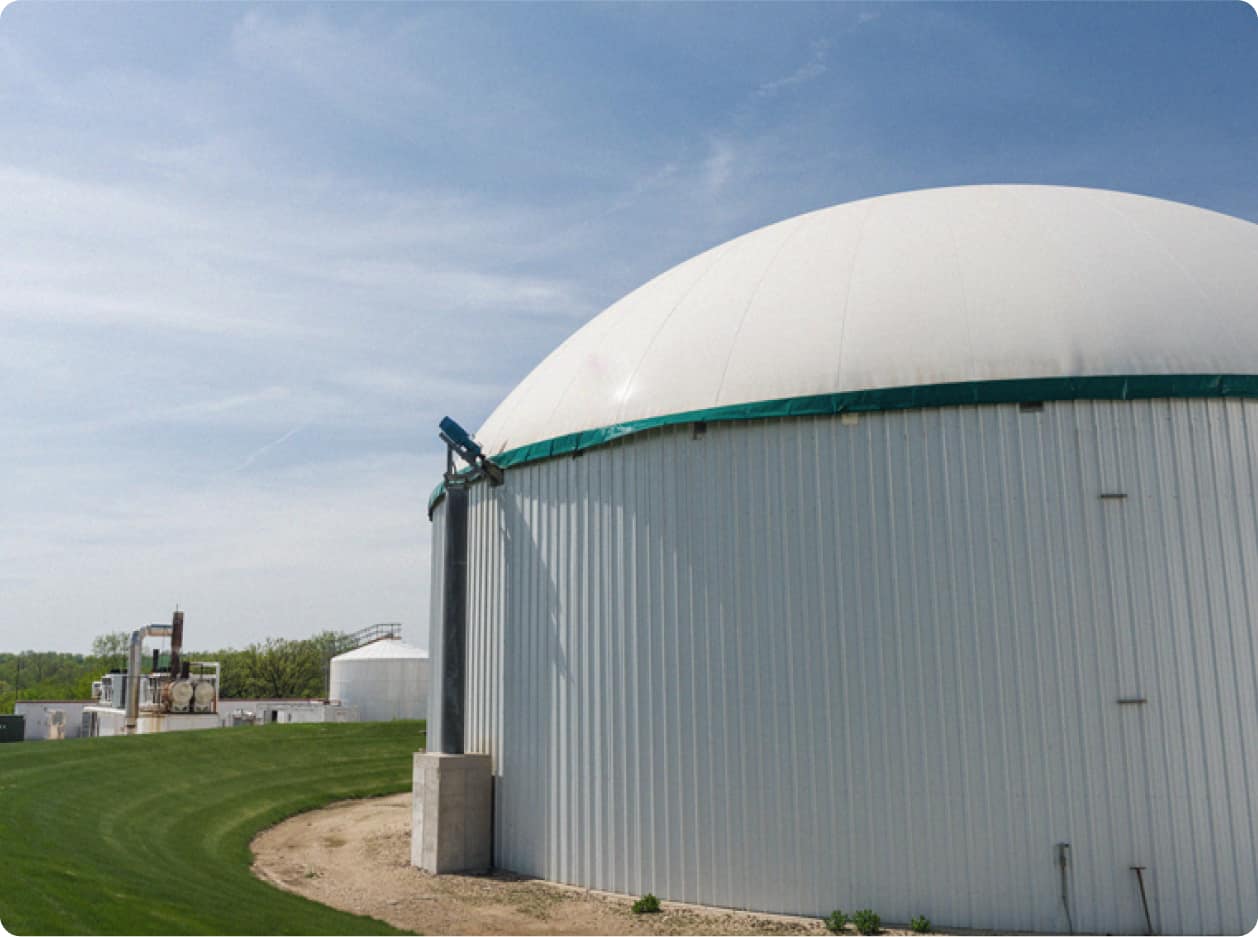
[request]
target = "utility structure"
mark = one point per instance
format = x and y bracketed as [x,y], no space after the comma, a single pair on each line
[183,695]
[452,789]
[454,575]
[865,558]
[382,679]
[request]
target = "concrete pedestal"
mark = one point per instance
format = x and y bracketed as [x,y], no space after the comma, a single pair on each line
[451,813]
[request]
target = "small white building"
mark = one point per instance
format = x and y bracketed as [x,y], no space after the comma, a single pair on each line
[271,711]
[384,680]
[71,719]
[52,719]
[106,721]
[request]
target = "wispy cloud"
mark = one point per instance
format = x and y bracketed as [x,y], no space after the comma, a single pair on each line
[339,544]
[252,254]
[235,408]
[341,66]
[264,449]
[185,338]
[815,67]
[719,165]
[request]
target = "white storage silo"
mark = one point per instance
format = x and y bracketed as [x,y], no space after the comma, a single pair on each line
[868,558]
[386,679]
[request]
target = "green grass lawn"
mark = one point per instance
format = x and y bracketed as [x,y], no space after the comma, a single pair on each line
[150,834]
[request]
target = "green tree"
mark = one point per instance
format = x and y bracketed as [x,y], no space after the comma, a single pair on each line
[112,646]
[40,675]
[282,668]
[328,644]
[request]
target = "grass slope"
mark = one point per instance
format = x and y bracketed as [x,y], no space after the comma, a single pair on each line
[150,834]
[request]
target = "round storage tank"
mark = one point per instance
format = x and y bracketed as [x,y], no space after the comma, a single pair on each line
[900,555]
[386,679]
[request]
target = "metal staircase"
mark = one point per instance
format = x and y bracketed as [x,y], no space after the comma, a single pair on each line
[347,642]
[388,629]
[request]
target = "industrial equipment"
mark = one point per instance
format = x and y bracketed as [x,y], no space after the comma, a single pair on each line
[459,442]
[12,728]
[162,700]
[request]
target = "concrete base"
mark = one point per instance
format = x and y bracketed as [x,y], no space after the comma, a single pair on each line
[451,813]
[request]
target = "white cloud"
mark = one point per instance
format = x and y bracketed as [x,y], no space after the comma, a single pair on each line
[815,67]
[338,545]
[343,67]
[187,360]
[719,165]
[237,409]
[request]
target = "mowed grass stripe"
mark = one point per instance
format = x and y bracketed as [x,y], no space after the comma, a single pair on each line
[150,834]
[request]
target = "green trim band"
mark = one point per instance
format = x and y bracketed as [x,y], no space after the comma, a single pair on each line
[965,393]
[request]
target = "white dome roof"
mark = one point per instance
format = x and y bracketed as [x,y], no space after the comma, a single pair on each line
[967,284]
[385,649]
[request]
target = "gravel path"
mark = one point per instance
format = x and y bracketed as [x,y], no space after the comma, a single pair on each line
[356,856]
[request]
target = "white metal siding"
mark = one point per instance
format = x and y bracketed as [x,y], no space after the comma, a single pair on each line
[799,665]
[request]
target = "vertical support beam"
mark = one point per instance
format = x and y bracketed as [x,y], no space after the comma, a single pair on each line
[454,617]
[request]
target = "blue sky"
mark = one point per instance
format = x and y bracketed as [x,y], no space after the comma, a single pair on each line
[253,253]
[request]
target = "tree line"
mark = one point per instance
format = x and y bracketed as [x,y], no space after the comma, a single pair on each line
[276,667]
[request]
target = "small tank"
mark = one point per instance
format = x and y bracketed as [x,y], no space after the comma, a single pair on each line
[203,694]
[181,694]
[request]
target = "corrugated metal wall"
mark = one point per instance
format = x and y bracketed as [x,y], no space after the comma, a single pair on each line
[800,665]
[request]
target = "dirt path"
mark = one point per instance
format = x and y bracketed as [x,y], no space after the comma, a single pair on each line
[356,856]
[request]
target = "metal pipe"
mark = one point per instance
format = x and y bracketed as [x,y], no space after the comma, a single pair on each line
[1144,899]
[133,670]
[176,641]
[454,617]
[1063,860]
